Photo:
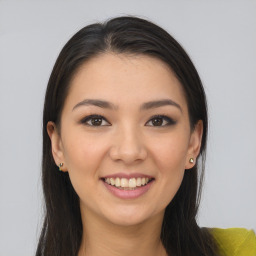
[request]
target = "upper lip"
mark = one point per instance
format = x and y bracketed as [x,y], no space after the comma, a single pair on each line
[128,176]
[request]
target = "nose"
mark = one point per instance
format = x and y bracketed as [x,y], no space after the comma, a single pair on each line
[128,146]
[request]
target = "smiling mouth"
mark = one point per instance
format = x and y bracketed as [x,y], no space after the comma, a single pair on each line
[127,184]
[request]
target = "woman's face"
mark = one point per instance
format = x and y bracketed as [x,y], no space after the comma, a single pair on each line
[140,135]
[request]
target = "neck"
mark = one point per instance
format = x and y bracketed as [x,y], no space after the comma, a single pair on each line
[101,237]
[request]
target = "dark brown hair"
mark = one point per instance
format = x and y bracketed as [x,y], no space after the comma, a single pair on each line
[62,229]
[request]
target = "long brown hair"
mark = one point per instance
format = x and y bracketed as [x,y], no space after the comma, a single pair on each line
[62,229]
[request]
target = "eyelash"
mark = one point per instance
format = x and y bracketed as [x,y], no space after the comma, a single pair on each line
[169,120]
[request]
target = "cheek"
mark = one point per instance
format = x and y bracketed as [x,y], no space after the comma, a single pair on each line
[170,158]
[83,156]
[81,150]
[171,164]
[170,153]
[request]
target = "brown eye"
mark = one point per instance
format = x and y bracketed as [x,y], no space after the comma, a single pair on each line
[159,120]
[94,120]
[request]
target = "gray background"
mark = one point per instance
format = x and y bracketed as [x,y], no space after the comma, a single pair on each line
[220,37]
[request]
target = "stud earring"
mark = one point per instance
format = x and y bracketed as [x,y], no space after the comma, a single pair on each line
[60,165]
[191,160]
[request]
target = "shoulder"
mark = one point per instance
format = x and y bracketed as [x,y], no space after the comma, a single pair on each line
[235,241]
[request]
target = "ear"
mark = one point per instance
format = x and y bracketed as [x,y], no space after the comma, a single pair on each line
[194,144]
[57,147]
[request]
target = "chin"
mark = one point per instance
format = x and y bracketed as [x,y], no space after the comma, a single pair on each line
[130,216]
[127,222]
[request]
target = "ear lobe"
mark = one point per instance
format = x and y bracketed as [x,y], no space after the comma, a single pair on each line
[194,144]
[56,143]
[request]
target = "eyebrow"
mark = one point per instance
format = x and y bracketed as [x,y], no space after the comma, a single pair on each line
[144,106]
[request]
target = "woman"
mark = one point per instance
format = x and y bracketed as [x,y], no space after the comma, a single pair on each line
[125,123]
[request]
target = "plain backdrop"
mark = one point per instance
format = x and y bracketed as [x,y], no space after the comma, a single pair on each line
[220,37]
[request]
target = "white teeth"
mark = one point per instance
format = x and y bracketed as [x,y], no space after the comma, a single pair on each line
[132,183]
[124,183]
[117,182]
[138,182]
[127,183]
[112,181]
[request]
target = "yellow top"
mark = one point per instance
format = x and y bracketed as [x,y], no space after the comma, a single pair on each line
[235,241]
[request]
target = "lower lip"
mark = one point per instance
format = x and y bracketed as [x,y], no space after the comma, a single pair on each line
[128,194]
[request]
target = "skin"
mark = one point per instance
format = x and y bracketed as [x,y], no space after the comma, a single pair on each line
[127,141]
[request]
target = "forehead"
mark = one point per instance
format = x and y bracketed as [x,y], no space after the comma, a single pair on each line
[125,79]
